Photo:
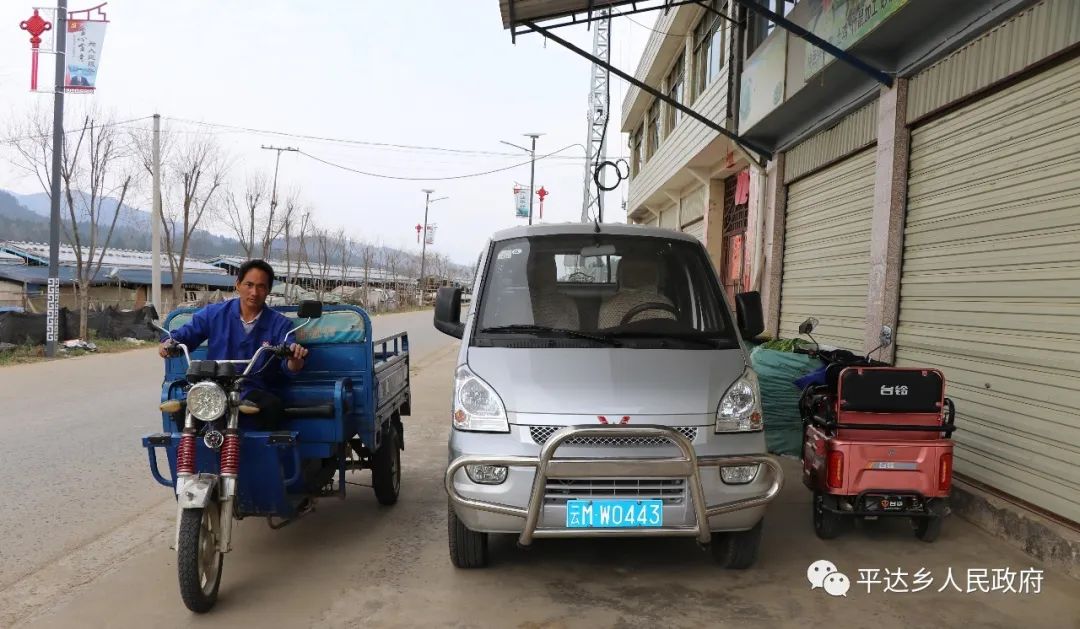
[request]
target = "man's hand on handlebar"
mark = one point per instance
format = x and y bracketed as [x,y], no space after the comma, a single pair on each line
[296,355]
[168,348]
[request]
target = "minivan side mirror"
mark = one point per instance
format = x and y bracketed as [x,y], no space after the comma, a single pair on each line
[448,312]
[750,316]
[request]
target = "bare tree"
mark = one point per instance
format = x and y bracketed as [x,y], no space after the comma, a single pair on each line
[297,224]
[95,174]
[322,258]
[346,254]
[367,253]
[192,181]
[256,221]
[392,262]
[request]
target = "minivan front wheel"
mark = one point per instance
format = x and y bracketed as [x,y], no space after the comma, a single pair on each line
[468,549]
[737,550]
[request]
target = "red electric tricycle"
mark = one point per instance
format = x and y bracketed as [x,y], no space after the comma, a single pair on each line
[876,440]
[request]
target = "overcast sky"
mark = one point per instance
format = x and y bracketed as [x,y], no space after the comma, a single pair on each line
[432,73]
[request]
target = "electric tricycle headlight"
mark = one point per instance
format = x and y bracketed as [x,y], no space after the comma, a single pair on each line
[206,401]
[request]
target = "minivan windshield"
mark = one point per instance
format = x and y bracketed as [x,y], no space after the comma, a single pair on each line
[572,290]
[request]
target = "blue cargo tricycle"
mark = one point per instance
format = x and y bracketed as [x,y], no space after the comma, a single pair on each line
[343,413]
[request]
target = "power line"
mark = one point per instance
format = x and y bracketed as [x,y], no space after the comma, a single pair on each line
[78,129]
[369,143]
[648,28]
[398,178]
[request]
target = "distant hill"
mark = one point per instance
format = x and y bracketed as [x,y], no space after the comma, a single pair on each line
[25,217]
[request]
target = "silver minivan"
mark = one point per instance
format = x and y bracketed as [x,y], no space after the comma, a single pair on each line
[604,389]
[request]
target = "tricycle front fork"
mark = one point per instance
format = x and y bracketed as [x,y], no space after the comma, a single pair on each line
[194,491]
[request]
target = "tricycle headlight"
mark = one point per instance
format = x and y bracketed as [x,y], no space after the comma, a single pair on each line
[740,408]
[476,405]
[206,401]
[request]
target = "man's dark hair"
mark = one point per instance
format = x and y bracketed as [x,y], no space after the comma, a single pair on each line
[256,264]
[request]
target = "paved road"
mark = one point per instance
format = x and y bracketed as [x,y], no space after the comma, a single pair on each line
[70,460]
[353,563]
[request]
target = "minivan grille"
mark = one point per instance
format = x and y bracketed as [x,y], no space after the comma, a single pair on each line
[670,490]
[540,434]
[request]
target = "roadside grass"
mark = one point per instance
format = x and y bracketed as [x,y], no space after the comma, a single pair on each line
[24,354]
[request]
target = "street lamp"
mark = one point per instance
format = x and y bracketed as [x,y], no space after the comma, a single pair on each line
[423,249]
[532,167]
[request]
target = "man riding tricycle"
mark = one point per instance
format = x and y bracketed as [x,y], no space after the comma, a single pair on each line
[264,411]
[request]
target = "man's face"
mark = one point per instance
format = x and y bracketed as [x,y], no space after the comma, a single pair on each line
[254,288]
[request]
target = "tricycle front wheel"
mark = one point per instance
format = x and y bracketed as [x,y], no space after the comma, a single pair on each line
[386,467]
[198,560]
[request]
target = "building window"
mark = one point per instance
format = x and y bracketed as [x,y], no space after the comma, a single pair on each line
[653,141]
[635,152]
[759,27]
[783,7]
[708,48]
[674,85]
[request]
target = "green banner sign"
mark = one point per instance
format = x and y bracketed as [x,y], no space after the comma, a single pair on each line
[843,23]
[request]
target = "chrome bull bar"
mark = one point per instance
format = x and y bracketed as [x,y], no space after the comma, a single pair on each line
[687,466]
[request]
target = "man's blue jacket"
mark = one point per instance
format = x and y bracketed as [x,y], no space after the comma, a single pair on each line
[221,325]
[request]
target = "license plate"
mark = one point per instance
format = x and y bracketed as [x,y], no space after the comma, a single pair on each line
[892,503]
[584,514]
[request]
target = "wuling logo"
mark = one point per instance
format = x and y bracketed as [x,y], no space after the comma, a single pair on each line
[604,420]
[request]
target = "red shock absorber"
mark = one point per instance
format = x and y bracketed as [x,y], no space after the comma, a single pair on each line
[230,454]
[185,454]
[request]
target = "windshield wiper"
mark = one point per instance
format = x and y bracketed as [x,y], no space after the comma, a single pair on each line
[699,337]
[534,329]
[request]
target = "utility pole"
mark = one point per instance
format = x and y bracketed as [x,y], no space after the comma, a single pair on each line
[155,220]
[532,167]
[52,317]
[277,163]
[423,247]
[532,173]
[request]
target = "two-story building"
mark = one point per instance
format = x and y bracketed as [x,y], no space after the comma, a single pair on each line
[935,190]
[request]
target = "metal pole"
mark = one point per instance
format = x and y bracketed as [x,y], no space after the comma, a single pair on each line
[53,303]
[532,175]
[423,247]
[273,194]
[155,221]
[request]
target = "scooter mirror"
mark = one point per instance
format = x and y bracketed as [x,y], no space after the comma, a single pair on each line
[806,327]
[152,311]
[886,336]
[309,309]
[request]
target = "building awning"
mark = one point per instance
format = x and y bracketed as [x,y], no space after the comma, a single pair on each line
[517,12]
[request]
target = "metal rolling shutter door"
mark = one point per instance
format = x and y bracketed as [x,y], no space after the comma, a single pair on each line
[827,252]
[990,291]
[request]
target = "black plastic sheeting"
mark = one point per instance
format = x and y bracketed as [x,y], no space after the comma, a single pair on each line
[22,328]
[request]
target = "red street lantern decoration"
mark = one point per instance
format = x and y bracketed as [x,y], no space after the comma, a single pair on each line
[419,228]
[36,25]
[542,193]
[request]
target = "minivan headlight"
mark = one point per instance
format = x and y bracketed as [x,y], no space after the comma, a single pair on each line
[476,405]
[740,408]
